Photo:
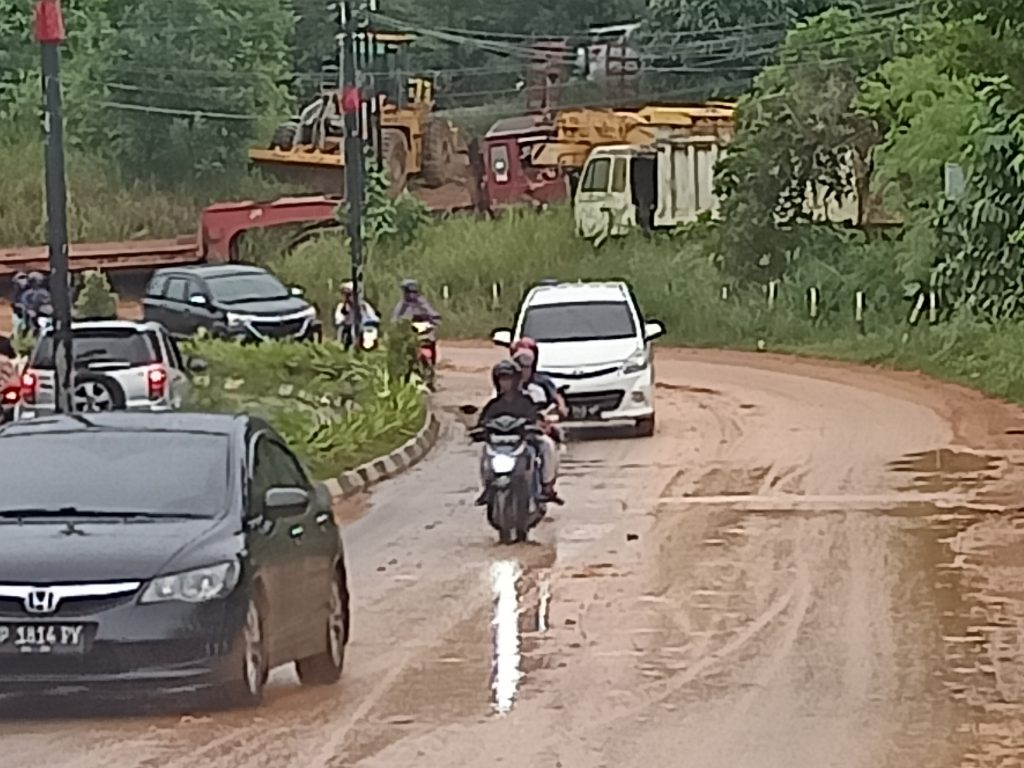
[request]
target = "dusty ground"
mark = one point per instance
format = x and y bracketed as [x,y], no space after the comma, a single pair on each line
[809,565]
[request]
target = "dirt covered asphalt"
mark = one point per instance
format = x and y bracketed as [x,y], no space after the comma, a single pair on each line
[809,565]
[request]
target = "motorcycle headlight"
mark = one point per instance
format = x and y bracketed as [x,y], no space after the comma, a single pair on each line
[197,586]
[235,320]
[502,463]
[636,362]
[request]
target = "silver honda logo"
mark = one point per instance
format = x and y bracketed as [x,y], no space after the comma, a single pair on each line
[41,601]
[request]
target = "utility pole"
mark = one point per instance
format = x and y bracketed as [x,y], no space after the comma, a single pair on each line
[49,31]
[351,104]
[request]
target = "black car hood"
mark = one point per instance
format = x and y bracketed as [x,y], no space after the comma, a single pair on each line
[79,551]
[272,308]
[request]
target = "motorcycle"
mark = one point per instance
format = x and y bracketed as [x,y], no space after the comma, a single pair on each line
[426,352]
[512,475]
[40,321]
[371,330]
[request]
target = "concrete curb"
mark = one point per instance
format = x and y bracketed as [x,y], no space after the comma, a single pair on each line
[395,463]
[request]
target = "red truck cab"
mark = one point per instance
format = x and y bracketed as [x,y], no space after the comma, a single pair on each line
[510,175]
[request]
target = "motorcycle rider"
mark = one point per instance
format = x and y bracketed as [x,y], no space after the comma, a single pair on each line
[35,298]
[509,400]
[343,314]
[414,305]
[20,286]
[543,392]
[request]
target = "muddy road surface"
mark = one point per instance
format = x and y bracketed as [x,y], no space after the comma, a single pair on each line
[809,565]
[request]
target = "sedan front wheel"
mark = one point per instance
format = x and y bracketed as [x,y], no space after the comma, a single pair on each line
[325,668]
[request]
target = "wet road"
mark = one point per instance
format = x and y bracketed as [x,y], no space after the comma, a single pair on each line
[808,566]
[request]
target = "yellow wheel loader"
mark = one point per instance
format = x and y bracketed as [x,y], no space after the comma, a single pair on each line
[415,144]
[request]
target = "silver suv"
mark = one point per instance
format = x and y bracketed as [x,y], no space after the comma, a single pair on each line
[119,365]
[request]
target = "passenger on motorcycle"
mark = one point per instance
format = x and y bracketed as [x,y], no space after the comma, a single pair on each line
[509,400]
[543,393]
[343,314]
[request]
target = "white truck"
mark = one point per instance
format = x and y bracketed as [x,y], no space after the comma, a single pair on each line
[660,186]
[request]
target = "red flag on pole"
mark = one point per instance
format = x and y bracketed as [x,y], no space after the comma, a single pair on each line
[49,23]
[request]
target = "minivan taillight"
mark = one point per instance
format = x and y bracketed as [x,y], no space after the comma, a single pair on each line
[156,380]
[29,386]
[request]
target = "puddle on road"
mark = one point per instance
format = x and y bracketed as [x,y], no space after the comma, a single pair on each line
[506,672]
[521,613]
[977,591]
[948,470]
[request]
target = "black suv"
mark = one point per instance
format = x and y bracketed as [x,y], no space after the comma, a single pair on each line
[229,301]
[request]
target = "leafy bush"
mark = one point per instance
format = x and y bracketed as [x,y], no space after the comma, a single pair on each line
[337,410]
[96,299]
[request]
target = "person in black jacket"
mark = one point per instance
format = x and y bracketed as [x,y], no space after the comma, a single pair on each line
[509,398]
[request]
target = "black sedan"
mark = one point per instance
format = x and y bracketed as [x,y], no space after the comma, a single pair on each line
[178,552]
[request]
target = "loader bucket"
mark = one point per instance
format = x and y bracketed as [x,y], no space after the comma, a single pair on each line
[319,172]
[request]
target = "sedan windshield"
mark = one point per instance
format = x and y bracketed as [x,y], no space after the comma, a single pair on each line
[125,472]
[232,289]
[589,321]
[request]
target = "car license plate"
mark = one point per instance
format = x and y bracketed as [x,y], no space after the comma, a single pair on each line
[583,412]
[42,638]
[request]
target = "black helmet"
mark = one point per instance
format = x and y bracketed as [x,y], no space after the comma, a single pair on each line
[409,285]
[36,280]
[505,369]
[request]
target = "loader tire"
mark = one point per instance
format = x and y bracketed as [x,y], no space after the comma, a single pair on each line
[285,135]
[438,152]
[396,155]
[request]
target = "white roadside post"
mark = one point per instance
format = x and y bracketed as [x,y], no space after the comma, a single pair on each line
[812,300]
[495,296]
[773,292]
[858,311]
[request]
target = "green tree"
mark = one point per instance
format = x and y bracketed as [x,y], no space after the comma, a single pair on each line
[186,84]
[799,132]
[982,235]
[926,110]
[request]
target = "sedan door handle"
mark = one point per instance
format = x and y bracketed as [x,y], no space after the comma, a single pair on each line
[322,518]
[296,532]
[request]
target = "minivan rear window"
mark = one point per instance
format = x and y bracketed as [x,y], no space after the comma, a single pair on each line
[582,321]
[107,345]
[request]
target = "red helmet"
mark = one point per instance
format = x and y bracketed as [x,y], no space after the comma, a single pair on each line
[525,343]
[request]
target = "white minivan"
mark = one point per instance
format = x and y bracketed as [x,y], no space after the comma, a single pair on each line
[593,339]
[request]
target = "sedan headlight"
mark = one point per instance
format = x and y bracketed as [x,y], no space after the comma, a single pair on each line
[198,586]
[235,320]
[636,362]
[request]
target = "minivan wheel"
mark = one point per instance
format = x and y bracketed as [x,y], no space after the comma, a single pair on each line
[325,668]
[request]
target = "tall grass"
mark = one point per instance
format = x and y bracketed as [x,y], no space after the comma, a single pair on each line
[675,278]
[103,204]
[676,281]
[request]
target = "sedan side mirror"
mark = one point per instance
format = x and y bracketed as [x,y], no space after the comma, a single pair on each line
[502,337]
[296,291]
[469,410]
[197,365]
[198,300]
[653,330]
[285,502]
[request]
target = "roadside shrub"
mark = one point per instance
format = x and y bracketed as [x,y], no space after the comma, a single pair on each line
[96,299]
[337,410]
